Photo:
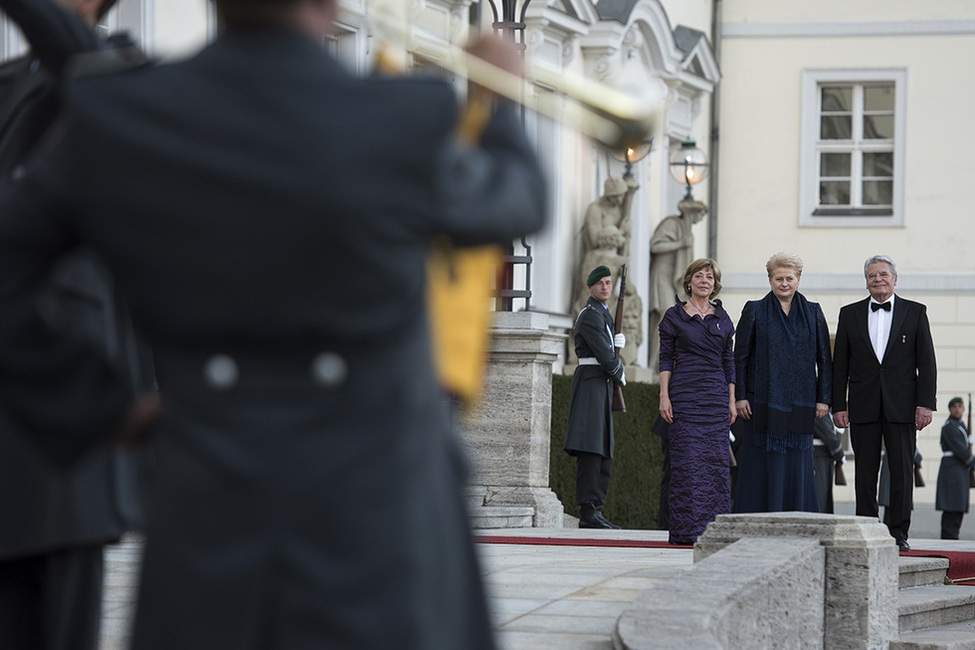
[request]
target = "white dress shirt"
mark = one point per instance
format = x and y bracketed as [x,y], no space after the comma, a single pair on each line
[878,326]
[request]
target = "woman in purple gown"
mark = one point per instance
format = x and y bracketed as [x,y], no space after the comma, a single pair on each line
[697,398]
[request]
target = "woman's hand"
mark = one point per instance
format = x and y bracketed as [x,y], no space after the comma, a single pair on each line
[744,409]
[821,409]
[732,412]
[666,410]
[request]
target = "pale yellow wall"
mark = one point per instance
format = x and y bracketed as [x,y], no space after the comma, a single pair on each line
[843,10]
[760,146]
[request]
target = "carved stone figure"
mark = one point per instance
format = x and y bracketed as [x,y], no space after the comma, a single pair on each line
[606,241]
[671,250]
[632,325]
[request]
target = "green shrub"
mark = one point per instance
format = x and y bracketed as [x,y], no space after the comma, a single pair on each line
[634,488]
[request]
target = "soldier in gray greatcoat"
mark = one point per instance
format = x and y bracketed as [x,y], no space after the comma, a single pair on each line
[590,435]
[951,497]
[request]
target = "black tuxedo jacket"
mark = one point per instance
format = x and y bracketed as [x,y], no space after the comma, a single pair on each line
[906,379]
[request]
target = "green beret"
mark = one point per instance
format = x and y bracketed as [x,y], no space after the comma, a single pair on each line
[597,274]
[955,400]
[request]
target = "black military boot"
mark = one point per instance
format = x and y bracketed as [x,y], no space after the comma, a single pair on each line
[608,524]
[590,517]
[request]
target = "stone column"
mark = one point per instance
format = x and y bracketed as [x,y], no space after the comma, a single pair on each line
[861,568]
[508,435]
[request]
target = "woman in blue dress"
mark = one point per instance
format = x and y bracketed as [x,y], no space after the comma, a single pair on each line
[784,370]
[697,399]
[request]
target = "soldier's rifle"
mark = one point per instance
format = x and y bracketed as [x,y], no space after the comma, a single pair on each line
[971,471]
[618,403]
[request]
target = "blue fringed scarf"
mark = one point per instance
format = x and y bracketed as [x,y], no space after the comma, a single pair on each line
[785,374]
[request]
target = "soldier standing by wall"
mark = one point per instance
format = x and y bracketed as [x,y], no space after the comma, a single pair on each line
[954,484]
[590,434]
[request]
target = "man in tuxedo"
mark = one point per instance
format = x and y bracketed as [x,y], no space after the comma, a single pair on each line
[272,244]
[884,384]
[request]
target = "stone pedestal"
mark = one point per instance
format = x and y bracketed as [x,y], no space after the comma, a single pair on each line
[860,610]
[508,434]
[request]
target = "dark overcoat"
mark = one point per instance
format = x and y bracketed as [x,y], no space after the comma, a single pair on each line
[268,218]
[953,478]
[591,396]
[44,507]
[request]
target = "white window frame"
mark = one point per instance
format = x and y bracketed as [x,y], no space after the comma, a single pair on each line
[812,80]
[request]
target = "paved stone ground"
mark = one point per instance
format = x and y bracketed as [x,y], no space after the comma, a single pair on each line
[542,597]
[569,597]
[558,597]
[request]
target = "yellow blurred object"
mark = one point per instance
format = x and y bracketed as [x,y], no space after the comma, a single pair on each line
[459,289]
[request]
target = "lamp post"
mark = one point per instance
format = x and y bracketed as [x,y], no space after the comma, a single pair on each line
[689,165]
[631,155]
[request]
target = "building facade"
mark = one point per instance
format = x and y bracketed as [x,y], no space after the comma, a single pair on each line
[836,131]
[844,133]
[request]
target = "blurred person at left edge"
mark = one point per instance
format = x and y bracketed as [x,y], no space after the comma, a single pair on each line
[268,217]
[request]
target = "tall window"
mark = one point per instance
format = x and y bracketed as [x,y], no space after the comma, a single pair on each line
[852,171]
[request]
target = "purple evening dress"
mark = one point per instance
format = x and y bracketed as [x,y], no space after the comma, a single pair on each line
[700,356]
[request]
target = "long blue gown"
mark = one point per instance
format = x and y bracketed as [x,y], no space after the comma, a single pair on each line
[775,471]
[700,357]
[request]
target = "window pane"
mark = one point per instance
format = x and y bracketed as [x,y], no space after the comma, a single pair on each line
[836,127]
[878,192]
[837,98]
[834,164]
[878,127]
[834,193]
[878,98]
[878,164]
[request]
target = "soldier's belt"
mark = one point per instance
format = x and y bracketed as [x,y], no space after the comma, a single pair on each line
[588,361]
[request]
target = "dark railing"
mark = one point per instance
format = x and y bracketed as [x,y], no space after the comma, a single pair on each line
[507,293]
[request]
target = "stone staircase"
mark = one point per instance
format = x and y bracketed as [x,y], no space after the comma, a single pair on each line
[933,615]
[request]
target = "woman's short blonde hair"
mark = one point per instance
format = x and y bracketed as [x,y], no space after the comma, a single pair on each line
[784,260]
[700,265]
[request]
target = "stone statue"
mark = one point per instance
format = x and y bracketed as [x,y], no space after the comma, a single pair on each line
[632,325]
[606,241]
[671,250]
[606,235]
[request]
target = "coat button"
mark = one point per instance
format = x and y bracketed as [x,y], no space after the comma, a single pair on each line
[329,369]
[221,372]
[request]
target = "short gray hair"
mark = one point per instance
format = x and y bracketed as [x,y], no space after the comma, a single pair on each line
[880,258]
[784,260]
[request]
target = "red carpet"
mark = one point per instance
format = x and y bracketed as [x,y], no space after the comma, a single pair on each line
[961,567]
[562,541]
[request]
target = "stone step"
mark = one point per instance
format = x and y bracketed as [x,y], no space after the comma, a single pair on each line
[502,517]
[474,496]
[958,636]
[934,605]
[921,571]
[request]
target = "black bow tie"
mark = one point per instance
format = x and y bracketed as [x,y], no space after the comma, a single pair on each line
[874,306]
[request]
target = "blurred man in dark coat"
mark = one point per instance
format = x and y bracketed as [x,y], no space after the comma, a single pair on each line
[268,217]
[954,483]
[55,521]
[884,356]
[590,434]
[827,453]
